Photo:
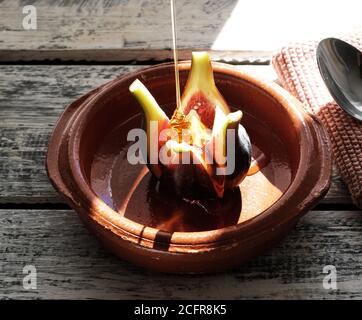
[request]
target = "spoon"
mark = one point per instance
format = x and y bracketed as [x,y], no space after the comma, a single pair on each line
[340,65]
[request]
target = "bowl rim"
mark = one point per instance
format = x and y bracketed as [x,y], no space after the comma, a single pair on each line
[133,231]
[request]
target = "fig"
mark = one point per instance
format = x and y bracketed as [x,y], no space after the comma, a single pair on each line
[203,149]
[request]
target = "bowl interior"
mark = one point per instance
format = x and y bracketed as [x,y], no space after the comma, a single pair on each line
[132,191]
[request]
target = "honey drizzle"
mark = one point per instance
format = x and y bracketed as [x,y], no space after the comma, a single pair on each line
[179,120]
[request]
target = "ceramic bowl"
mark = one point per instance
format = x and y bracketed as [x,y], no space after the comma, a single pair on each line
[120,204]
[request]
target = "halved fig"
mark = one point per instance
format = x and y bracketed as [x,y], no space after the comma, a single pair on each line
[206,148]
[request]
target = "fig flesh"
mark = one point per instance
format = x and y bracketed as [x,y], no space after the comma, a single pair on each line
[202,131]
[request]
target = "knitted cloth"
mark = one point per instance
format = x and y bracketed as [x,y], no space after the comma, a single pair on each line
[297,69]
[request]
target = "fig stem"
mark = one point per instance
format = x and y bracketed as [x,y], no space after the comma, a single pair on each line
[175,54]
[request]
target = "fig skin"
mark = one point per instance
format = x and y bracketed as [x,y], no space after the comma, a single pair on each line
[242,158]
[208,114]
[187,181]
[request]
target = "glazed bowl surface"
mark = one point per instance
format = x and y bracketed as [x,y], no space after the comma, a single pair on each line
[120,203]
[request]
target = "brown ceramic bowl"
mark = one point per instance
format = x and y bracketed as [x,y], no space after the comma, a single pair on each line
[119,203]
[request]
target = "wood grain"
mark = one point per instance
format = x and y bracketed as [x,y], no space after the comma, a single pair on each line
[123,30]
[33,98]
[71,264]
[117,30]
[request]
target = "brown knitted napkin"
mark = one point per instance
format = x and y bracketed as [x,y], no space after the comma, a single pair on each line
[298,72]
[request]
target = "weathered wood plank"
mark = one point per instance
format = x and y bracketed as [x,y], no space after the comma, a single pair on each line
[71,264]
[33,98]
[123,29]
[118,30]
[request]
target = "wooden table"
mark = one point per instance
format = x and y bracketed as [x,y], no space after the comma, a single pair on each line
[79,46]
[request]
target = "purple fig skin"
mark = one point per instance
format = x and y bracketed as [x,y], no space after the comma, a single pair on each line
[187,181]
[242,158]
[193,182]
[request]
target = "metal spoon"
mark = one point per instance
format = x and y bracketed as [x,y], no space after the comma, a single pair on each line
[340,65]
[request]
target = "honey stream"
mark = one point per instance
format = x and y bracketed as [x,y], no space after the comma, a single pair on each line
[178,120]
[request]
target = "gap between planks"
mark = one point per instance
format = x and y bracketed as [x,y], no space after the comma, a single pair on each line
[126,56]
